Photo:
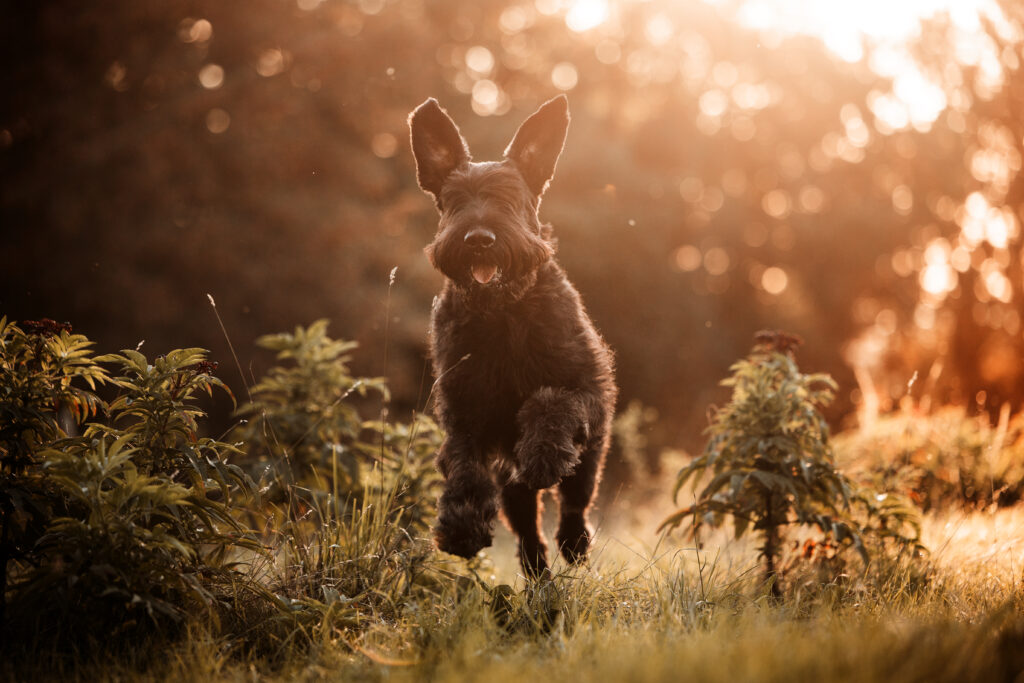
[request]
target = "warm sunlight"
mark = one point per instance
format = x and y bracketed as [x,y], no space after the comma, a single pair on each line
[888,28]
[878,31]
[602,340]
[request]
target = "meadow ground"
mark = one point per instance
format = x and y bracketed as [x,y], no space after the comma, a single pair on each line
[327,572]
[649,612]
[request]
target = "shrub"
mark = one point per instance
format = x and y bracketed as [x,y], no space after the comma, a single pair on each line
[945,459]
[298,423]
[770,462]
[350,499]
[132,518]
[41,368]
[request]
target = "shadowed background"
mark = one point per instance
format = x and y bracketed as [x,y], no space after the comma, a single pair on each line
[847,174]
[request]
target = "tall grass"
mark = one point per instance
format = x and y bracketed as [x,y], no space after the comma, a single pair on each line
[339,580]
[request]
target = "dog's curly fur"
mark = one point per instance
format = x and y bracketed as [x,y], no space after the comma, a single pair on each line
[525,385]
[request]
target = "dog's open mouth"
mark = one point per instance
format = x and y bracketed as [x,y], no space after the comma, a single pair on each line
[484,272]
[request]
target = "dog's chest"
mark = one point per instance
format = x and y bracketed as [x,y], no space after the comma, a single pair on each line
[499,353]
[506,353]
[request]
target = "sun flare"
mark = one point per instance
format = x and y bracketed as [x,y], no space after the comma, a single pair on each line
[878,32]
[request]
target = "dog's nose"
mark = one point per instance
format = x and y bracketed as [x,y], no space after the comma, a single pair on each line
[479,238]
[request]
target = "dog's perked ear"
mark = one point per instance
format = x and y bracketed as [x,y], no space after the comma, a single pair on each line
[538,142]
[437,145]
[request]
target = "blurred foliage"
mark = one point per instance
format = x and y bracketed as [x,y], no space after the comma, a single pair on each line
[719,177]
[771,465]
[942,460]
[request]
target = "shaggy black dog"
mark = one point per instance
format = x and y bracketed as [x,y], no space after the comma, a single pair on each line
[525,386]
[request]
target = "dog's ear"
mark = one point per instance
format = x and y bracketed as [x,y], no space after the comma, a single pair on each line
[538,142]
[437,145]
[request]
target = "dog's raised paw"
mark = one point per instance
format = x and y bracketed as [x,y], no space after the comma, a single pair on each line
[542,466]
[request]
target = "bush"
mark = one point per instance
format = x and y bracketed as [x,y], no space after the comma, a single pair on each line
[945,459]
[771,465]
[129,522]
[298,423]
[349,500]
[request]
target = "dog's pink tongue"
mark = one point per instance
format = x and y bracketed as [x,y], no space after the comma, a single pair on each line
[483,273]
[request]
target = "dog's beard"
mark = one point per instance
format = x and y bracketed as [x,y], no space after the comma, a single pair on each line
[509,259]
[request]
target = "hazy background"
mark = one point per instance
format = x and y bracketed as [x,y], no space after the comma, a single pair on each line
[845,171]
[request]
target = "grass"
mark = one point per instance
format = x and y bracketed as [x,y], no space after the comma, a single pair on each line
[639,615]
[349,586]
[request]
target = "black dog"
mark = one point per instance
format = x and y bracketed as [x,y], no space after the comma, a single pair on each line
[525,385]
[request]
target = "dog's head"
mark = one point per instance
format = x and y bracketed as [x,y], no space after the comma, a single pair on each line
[489,233]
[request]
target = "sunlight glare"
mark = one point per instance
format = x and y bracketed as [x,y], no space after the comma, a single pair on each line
[586,14]
[888,28]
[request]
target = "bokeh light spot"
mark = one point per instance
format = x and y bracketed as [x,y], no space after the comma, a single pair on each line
[586,14]
[384,145]
[716,261]
[514,19]
[271,63]
[776,203]
[211,76]
[480,60]
[217,120]
[485,97]
[774,280]
[195,31]
[688,258]
[564,76]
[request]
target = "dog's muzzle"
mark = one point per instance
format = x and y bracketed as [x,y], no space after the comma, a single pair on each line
[479,240]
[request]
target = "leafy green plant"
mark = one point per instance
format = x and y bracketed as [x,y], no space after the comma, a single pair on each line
[133,517]
[42,370]
[298,423]
[769,458]
[349,499]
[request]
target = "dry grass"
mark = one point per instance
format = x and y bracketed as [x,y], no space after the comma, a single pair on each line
[649,612]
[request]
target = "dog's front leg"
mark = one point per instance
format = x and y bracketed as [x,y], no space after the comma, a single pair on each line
[552,423]
[468,504]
